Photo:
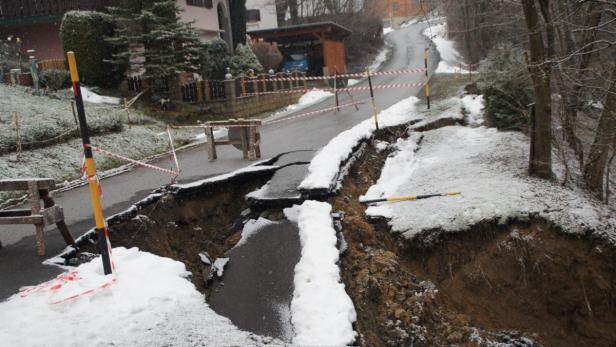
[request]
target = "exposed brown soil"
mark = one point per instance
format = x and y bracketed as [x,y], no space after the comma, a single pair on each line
[528,278]
[182,228]
[520,284]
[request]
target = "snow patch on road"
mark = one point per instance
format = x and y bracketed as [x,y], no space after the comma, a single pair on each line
[251,228]
[325,166]
[490,169]
[93,98]
[308,99]
[322,312]
[151,303]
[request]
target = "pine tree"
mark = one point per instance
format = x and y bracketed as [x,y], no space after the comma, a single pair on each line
[169,45]
[244,60]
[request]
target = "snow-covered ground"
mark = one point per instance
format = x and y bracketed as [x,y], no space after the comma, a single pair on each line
[148,302]
[490,169]
[381,58]
[451,60]
[324,168]
[321,311]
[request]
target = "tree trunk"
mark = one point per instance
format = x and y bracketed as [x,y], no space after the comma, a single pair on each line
[598,156]
[540,71]
[575,101]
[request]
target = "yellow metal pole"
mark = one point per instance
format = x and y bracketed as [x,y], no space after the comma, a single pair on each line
[97,208]
[375,110]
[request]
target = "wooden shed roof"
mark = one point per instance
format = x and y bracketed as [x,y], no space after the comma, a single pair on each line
[330,28]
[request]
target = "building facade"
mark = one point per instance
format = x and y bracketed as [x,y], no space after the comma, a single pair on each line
[395,12]
[261,15]
[37,22]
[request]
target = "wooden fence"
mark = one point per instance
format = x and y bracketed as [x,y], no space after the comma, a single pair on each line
[52,64]
[211,90]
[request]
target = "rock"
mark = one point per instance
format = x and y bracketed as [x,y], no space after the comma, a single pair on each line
[399,313]
[373,289]
[455,337]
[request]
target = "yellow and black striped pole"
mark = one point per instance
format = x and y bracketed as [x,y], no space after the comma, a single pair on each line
[99,218]
[375,110]
[408,198]
[427,77]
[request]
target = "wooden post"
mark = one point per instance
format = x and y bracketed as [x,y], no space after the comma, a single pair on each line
[244,138]
[35,201]
[243,85]
[199,91]
[206,91]
[252,142]
[48,202]
[127,108]
[18,135]
[211,143]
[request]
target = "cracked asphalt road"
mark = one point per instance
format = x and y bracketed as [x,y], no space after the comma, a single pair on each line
[19,264]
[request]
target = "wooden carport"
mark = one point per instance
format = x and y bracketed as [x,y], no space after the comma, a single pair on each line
[330,37]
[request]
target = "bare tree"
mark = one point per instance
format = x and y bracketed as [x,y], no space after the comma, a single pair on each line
[540,70]
[596,165]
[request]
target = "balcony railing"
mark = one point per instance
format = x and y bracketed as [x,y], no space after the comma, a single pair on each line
[22,9]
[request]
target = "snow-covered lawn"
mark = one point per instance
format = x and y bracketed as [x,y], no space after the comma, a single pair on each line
[150,303]
[43,118]
[490,169]
[324,168]
[321,311]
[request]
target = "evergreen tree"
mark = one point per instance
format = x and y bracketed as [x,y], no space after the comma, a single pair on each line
[215,60]
[244,60]
[238,21]
[168,45]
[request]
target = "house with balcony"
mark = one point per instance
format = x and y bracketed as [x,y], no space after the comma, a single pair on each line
[37,22]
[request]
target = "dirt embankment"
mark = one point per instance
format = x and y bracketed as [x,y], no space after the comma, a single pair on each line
[521,284]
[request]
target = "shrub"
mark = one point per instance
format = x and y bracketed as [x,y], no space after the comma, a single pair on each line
[215,60]
[55,79]
[244,60]
[505,84]
[83,32]
[268,54]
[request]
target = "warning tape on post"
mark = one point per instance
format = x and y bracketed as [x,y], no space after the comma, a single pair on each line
[136,162]
[352,75]
[284,119]
[347,89]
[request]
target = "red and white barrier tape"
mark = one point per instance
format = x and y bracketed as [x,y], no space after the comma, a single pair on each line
[217,126]
[136,162]
[316,112]
[61,281]
[346,89]
[352,75]
[278,120]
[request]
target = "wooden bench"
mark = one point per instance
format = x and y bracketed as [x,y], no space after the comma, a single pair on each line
[37,188]
[243,135]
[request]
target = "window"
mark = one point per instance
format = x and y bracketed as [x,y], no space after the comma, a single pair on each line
[200,3]
[253,15]
[395,6]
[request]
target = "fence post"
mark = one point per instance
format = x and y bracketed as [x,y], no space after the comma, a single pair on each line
[206,90]
[230,95]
